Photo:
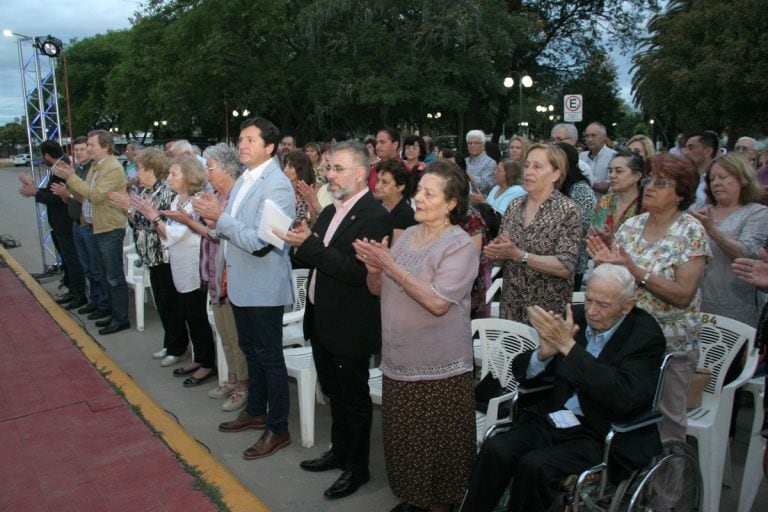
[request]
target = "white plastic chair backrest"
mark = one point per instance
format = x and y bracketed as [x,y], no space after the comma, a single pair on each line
[491,291]
[720,340]
[578,298]
[502,341]
[495,271]
[300,279]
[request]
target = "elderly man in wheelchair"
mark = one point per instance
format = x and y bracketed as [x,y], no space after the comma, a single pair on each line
[605,364]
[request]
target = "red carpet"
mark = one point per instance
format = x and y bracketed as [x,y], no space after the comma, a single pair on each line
[68,442]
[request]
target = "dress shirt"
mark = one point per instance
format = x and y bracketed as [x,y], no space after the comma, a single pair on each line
[481,168]
[701,194]
[249,178]
[595,345]
[599,164]
[342,209]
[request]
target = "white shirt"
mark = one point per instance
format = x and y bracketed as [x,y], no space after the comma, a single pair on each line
[249,178]
[184,251]
[599,164]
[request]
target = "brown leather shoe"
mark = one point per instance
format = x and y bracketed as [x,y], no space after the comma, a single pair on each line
[244,421]
[268,443]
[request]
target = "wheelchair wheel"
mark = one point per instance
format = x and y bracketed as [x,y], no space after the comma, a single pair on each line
[673,482]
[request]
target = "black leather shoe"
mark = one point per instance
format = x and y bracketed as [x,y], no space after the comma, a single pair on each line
[111,328]
[76,303]
[104,322]
[193,381]
[346,484]
[99,313]
[181,372]
[64,299]
[326,461]
[88,308]
[407,507]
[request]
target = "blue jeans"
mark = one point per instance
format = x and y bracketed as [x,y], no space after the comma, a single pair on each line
[260,333]
[109,245]
[68,253]
[89,259]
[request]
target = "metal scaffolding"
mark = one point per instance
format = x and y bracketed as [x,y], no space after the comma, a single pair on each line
[41,112]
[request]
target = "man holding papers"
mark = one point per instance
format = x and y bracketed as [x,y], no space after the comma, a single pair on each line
[342,318]
[257,275]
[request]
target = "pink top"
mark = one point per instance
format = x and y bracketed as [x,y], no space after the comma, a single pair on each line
[417,345]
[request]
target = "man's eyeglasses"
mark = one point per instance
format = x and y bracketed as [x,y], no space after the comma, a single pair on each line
[742,149]
[658,182]
[339,169]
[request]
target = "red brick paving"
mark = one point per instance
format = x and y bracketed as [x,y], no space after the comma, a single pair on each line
[67,441]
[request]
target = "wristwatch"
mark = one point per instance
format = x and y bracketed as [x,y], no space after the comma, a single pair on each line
[524,259]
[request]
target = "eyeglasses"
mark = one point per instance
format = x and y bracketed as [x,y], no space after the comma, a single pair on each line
[339,169]
[556,140]
[658,182]
[743,149]
[475,143]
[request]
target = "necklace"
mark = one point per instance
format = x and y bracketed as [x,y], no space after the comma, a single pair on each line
[423,239]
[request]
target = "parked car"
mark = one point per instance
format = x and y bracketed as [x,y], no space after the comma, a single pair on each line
[24,159]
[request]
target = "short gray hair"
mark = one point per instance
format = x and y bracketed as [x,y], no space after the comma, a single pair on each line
[359,153]
[182,146]
[570,130]
[226,156]
[619,275]
[475,134]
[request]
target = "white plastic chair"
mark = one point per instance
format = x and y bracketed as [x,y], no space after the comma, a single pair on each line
[301,367]
[138,279]
[501,341]
[375,385]
[221,359]
[293,320]
[578,298]
[490,292]
[750,481]
[720,340]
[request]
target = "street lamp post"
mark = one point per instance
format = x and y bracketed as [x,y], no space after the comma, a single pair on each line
[522,81]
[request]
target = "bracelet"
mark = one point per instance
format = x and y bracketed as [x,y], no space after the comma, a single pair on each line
[402,281]
[156,221]
[644,281]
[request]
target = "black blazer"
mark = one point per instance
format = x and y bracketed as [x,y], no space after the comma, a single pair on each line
[618,385]
[345,317]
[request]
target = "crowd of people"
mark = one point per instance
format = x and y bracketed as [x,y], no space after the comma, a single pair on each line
[400,238]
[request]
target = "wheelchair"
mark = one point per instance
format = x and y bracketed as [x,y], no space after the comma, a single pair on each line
[671,482]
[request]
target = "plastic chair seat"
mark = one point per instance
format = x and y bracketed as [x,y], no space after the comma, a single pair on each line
[301,366]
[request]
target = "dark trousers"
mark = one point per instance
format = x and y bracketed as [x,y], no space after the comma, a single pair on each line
[344,380]
[98,293]
[74,271]
[175,339]
[260,334]
[536,457]
[109,245]
[192,305]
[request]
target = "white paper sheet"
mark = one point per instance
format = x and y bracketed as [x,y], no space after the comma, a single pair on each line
[273,218]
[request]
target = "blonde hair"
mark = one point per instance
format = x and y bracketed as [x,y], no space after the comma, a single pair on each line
[556,158]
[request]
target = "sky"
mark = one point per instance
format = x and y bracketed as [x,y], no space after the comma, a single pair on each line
[68,19]
[65,19]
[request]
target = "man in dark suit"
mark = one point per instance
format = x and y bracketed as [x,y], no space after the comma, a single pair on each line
[342,318]
[605,369]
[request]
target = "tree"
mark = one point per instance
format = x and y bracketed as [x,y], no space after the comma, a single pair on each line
[12,135]
[703,66]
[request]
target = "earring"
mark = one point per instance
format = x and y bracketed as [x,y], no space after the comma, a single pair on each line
[446,221]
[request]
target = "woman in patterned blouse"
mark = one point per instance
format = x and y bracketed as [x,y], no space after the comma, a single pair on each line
[539,239]
[666,250]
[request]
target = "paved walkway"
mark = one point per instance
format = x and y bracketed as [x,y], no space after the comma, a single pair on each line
[68,441]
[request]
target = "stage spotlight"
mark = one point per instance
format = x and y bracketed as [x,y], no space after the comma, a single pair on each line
[49,46]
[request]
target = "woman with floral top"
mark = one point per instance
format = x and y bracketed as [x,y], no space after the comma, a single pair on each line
[624,199]
[666,250]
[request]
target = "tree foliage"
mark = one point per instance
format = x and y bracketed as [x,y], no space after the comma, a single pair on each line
[703,66]
[324,66]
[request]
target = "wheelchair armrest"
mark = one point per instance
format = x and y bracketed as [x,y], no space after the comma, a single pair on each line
[643,420]
[497,428]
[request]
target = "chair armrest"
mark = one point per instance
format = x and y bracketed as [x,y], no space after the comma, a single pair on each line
[497,428]
[293,317]
[493,406]
[643,420]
